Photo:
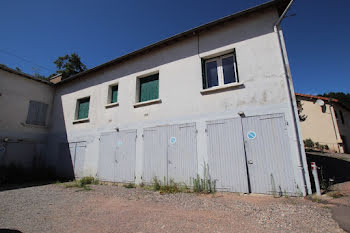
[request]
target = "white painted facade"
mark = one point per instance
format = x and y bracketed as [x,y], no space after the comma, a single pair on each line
[262,90]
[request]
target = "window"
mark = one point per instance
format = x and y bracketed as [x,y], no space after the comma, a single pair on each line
[149,88]
[83,108]
[341,116]
[219,71]
[113,94]
[36,113]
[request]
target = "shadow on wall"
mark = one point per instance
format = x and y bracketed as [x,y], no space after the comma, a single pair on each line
[331,170]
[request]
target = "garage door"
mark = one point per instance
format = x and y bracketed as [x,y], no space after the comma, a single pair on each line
[268,154]
[77,152]
[226,157]
[170,152]
[117,156]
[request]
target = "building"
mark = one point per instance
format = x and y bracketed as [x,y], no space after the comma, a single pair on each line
[207,99]
[26,103]
[326,122]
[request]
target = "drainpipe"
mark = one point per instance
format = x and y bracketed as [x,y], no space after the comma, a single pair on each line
[291,94]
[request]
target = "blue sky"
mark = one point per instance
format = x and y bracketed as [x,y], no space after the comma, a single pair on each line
[34,33]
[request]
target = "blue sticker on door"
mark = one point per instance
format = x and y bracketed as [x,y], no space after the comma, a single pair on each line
[251,135]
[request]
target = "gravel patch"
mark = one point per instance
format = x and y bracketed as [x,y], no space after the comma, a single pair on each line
[54,208]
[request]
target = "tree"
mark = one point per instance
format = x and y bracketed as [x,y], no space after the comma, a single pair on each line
[341,96]
[302,117]
[69,65]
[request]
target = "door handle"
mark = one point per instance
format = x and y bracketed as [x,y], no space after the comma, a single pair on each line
[250,161]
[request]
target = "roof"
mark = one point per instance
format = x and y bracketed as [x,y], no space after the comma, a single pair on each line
[279,4]
[317,97]
[5,68]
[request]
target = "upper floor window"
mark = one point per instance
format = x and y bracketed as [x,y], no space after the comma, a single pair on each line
[36,113]
[82,111]
[219,71]
[113,94]
[149,88]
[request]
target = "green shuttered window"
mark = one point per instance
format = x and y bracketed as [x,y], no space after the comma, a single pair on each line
[83,108]
[149,88]
[114,96]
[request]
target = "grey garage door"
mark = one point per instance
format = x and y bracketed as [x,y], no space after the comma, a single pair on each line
[251,154]
[170,152]
[117,156]
[226,157]
[268,154]
[77,152]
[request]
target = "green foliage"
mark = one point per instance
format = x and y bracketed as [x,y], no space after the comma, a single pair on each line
[69,65]
[205,184]
[335,194]
[309,143]
[82,183]
[156,184]
[129,186]
[344,98]
[302,117]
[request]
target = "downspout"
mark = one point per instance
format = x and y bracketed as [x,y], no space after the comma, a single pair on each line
[302,163]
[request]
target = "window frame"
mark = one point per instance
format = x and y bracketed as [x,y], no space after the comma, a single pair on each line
[110,96]
[139,87]
[220,70]
[77,109]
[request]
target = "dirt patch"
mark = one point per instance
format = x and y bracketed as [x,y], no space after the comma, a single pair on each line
[53,208]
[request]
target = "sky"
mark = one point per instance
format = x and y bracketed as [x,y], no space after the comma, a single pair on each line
[34,33]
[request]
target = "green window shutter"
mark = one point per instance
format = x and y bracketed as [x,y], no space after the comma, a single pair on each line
[114,98]
[204,78]
[149,88]
[83,108]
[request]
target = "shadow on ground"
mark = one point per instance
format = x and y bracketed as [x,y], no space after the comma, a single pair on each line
[9,231]
[331,170]
[13,177]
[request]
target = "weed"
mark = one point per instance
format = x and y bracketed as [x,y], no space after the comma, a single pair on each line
[87,180]
[156,184]
[82,183]
[129,186]
[335,194]
[316,199]
[205,185]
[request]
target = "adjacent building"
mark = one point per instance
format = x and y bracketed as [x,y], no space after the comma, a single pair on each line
[325,122]
[218,98]
[26,103]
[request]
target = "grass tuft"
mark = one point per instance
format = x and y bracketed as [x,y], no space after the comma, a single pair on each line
[129,186]
[82,183]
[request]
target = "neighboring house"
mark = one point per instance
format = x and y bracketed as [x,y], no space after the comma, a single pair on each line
[218,98]
[326,122]
[25,103]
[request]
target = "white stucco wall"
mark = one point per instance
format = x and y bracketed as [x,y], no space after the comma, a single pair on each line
[16,92]
[22,141]
[260,69]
